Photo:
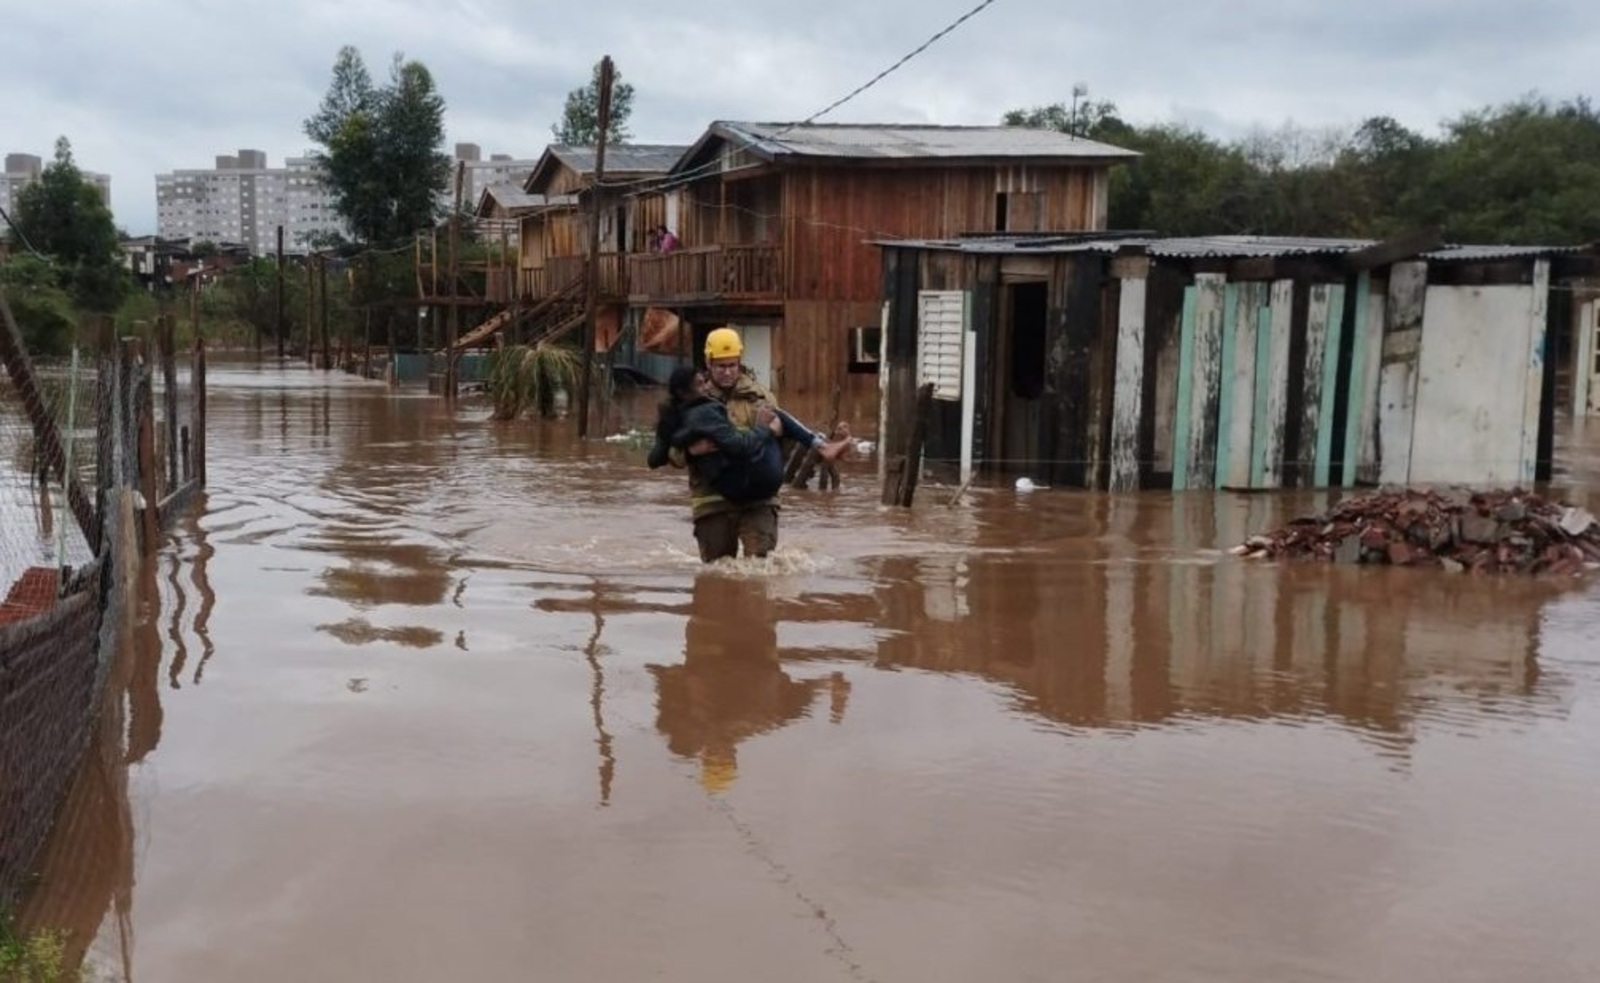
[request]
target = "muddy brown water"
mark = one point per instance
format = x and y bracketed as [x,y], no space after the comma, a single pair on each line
[421,696]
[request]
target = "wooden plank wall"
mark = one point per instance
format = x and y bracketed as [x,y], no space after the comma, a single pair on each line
[1073,341]
[832,212]
[1361,439]
[1128,388]
[1398,371]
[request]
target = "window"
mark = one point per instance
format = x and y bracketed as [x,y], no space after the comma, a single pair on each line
[866,346]
[941,316]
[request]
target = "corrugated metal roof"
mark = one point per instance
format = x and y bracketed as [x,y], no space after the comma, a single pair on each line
[623,159]
[511,197]
[1490,254]
[1240,247]
[859,141]
[1028,245]
[1215,247]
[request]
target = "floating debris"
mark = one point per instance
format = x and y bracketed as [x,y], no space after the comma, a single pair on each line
[1457,530]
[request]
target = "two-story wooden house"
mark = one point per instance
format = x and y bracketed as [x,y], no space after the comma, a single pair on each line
[775,222]
[554,238]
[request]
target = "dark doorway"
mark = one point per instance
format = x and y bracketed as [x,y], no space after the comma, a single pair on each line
[1030,309]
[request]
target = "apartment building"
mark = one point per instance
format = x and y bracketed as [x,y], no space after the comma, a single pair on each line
[23,169]
[242,200]
[478,175]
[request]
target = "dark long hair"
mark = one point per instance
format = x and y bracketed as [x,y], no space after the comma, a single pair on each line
[680,389]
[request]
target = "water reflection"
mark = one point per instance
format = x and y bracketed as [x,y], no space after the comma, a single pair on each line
[732,684]
[1115,630]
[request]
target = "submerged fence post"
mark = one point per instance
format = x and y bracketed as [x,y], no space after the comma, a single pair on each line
[198,441]
[900,483]
[169,379]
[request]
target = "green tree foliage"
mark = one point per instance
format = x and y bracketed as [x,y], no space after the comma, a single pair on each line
[63,216]
[382,147]
[1525,172]
[580,120]
[44,311]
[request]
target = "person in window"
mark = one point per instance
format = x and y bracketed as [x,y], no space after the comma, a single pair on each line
[669,242]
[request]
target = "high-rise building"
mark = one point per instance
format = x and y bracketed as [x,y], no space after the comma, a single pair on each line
[242,200]
[23,169]
[479,174]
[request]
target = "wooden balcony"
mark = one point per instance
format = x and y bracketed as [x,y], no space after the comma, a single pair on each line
[562,270]
[707,274]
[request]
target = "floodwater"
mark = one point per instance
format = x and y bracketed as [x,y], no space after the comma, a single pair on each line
[421,696]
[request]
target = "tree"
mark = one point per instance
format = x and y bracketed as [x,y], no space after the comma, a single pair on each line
[43,310]
[580,120]
[63,216]
[382,147]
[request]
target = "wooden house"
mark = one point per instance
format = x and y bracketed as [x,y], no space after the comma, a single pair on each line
[555,238]
[497,221]
[1232,361]
[775,222]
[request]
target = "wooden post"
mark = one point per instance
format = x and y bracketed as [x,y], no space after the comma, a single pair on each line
[194,306]
[322,300]
[146,409]
[455,301]
[169,380]
[592,303]
[198,424]
[311,312]
[900,485]
[280,313]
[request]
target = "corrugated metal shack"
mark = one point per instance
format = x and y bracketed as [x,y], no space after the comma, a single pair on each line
[1128,362]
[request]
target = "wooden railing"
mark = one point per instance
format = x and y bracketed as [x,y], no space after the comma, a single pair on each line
[735,272]
[560,270]
[533,284]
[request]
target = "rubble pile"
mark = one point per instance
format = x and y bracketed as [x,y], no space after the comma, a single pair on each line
[1460,531]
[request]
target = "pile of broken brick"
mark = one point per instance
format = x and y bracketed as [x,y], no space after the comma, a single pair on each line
[1460,531]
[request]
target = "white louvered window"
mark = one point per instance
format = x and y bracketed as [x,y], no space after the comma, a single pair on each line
[939,327]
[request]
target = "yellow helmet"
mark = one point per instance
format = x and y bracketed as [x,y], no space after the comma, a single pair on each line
[723,343]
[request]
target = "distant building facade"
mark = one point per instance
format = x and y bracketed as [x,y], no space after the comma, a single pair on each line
[241,199]
[23,169]
[478,175]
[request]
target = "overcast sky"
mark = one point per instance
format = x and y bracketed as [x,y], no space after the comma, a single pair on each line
[142,87]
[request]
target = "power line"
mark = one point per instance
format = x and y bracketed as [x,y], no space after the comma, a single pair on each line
[858,90]
[919,49]
[20,236]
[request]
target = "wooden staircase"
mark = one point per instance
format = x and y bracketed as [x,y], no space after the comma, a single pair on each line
[550,318]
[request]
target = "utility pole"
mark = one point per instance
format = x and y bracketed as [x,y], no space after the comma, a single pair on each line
[280,293]
[454,330]
[592,302]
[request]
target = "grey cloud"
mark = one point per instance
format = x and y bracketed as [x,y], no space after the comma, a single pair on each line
[142,88]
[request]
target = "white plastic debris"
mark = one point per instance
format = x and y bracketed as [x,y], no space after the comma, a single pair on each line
[1576,522]
[1026,485]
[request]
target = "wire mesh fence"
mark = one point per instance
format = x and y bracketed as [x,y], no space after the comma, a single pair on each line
[37,526]
[97,451]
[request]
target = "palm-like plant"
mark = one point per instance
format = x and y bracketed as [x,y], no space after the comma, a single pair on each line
[529,375]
